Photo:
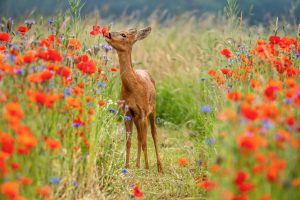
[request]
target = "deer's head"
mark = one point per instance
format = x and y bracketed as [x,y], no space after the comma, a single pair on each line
[124,40]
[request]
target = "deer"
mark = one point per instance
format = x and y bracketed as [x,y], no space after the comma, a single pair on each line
[138,94]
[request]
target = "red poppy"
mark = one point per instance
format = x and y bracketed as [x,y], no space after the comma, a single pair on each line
[226,52]
[240,177]
[235,96]
[272,174]
[96,30]
[10,189]
[212,72]
[64,71]
[225,71]
[54,55]
[46,75]
[248,143]
[22,29]
[26,142]
[4,37]
[182,162]
[207,185]
[104,30]
[2,47]
[53,143]
[15,165]
[74,103]
[101,103]
[44,191]
[274,39]
[137,192]
[86,142]
[114,69]
[7,143]
[25,180]
[249,112]
[240,197]
[14,110]
[82,58]
[88,67]
[246,187]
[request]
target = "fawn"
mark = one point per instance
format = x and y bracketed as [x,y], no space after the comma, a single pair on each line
[138,94]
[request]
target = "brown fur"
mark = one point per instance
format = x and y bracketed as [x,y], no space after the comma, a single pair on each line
[138,92]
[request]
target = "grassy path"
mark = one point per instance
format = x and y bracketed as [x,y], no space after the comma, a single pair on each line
[176,182]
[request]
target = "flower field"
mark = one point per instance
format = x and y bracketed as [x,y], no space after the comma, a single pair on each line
[228,113]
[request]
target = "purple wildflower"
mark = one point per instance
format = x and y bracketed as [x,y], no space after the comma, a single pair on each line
[54,180]
[206,108]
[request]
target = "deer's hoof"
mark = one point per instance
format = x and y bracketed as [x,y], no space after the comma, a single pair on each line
[159,168]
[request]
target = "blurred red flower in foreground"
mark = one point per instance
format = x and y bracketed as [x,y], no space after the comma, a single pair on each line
[137,192]
[10,190]
[4,36]
[44,191]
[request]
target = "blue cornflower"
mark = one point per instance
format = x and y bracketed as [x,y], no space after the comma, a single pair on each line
[111,110]
[158,120]
[67,92]
[124,171]
[55,180]
[106,47]
[76,124]
[203,79]
[19,71]
[298,93]
[74,183]
[206,108]
[298,55]
[100,84]
[51,21]
[126,107]
[127,118]
[288,101]
[267,124]
[210,141]
[277,136]
[229,85]
[132,196]
[29,22]
[200,162]
[12,57]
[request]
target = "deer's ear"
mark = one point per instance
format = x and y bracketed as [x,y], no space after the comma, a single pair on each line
[132,31]
[143,33]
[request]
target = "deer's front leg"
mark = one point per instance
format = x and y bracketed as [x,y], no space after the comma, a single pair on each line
[128,127]
[139,127]
[144,142]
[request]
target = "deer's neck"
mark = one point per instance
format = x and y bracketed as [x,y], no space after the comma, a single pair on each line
[128,76]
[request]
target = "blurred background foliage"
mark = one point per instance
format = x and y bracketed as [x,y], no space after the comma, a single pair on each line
[256,11]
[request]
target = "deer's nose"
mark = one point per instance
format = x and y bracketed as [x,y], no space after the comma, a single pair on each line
[108,35]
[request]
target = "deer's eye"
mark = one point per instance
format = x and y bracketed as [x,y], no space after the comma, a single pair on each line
[123,35]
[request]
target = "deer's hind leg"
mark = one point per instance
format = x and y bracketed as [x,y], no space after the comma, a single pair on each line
[152,117]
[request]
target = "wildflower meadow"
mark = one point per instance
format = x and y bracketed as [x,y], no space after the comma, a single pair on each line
[228,117]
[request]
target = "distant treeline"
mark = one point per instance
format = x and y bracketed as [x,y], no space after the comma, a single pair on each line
[256,11]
